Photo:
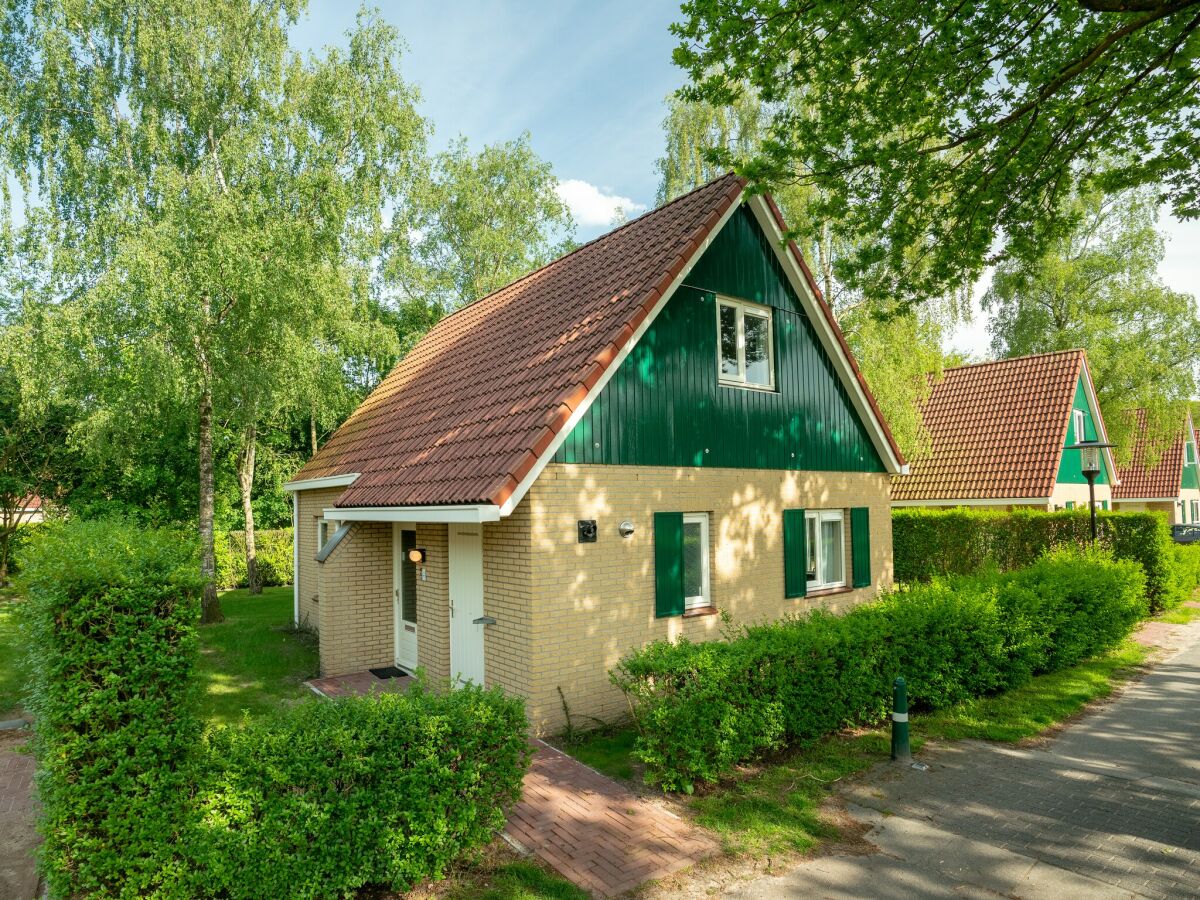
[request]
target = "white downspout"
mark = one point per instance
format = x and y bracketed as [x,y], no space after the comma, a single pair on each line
[296,558]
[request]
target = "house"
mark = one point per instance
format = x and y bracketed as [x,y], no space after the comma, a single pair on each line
[998,434]
[657,430]
[1171,485]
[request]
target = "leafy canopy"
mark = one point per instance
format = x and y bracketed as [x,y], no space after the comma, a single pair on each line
[1097,287]
[932,127]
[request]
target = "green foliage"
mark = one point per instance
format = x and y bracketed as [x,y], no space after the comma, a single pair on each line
[964,541]
[932,128]
[1187,568]
[1097,287]
[333,796]
[110,616]
[274,548]
[703,708]
[12,659]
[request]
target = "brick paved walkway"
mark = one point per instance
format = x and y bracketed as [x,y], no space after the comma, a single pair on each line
[18,876]
[598,833]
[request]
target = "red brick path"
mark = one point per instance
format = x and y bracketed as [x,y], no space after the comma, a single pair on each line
[18,875]
[597,833]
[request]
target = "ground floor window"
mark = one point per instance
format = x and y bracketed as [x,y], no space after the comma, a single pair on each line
[695,561]
[826,543]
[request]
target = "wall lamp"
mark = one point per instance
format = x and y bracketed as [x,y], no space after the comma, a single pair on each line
[416,555]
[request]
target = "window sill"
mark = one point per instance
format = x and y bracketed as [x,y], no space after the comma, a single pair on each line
[827,592]
[700,611]
[762,388]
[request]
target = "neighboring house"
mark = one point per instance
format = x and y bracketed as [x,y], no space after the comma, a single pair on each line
[28,511]
[998,433]
[1172,485]
[663,427]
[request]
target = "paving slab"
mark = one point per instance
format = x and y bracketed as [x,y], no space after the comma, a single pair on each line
[18,838]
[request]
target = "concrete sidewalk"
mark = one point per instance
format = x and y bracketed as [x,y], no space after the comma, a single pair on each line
[1110,808]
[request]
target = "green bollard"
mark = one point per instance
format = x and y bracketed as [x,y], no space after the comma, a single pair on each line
[900,749]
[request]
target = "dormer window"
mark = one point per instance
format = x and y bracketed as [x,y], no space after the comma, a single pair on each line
[746,345]
[1080,429]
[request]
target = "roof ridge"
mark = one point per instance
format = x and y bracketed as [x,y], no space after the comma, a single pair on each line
[586,244]
[1013,359]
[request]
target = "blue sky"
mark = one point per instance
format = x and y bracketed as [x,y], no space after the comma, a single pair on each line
[587,80]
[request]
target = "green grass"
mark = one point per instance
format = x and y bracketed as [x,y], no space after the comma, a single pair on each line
[254,661]
[774,806]
[11,681]
[512,881]
[609,751]
[1180,615]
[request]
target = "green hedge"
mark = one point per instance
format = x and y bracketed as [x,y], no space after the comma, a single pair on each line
[927,543]
[318,800]
[703,708]
[334,796]
[111,612]
[274,550]
[1187,567]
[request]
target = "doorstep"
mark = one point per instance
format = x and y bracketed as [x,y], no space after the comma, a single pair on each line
[358,684]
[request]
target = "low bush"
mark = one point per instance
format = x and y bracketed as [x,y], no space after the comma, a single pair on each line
[927,543]
[110,613]
[318,800]
[273,548]
[1187,567]
[330,797]
[702,708]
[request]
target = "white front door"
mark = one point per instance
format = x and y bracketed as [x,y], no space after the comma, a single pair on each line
[466,602]
[404,596]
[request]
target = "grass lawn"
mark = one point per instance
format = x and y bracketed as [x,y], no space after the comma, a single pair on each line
[1180,615]
[10,646]
[254,661]
[773,807]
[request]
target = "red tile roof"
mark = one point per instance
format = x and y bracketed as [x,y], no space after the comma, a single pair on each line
[1164,479]
[997,430]
[467,414]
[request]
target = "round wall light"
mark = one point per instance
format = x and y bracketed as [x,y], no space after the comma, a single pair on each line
[416,555]
[626,529]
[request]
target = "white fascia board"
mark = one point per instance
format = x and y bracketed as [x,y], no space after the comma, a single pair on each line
[999,501]
[312,484]
[829,341]
[1174,499]
[487,512]
[580,411]
[295,559]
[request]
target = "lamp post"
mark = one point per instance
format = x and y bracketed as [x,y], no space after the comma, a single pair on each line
[1089,463]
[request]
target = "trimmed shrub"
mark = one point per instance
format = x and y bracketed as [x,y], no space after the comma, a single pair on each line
[1187,568]
[274,548]
[333,796]
[111,612]
[703,708]
[927,543]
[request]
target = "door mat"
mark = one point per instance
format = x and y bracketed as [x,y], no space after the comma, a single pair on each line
[388,672]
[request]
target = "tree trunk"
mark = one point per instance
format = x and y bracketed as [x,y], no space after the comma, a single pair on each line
[246,484]
[210,607]
[312,430]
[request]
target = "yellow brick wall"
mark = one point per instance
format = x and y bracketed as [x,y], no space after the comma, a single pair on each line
[311,506]
[355,609]
[593,603]
[508,598]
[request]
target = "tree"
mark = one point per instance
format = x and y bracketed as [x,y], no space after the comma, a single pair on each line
[211,202]
[1097,287]
[934,128]
[482,221]
[897,349]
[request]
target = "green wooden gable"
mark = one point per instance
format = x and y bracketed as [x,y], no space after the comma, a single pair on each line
[1069,471]
[1191,473]
[665,407]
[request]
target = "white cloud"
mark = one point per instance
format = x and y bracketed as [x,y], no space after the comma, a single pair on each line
[592,206]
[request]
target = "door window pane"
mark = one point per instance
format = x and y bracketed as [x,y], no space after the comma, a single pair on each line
[408,577]
[729,341]
[693,563]
[811,525]
[758,353]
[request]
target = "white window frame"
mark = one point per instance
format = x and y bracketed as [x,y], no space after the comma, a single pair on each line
[1195,511]
[325,530]
[821,516]
[742,309]
[703,601]
[1080,424]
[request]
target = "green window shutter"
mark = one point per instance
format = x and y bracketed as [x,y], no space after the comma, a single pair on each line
[795,553]
[860,545]
[668,564]
[1070,504]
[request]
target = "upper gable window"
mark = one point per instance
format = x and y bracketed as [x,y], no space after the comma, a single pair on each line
[1189,452]
[746,347]
[1080,428]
